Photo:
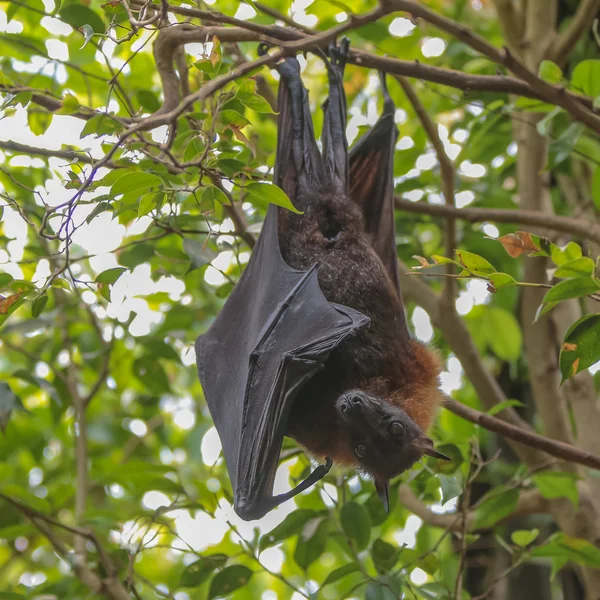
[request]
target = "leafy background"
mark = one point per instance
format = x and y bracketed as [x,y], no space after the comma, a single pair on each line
[110,476]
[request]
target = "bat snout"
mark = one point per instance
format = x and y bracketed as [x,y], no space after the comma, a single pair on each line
[352,405]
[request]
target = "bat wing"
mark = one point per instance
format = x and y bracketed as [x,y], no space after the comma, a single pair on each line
[371,165]
[275,331]
[299,164]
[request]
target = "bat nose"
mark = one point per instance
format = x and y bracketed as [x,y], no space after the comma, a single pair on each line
[356,399]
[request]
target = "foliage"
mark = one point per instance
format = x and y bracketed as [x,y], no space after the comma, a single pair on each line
[117,249]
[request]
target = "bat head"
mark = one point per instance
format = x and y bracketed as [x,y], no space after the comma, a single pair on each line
[384,439]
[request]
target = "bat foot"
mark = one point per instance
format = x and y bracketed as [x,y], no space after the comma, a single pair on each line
[338,53]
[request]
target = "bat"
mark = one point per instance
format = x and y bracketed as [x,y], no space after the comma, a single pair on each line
[313,342]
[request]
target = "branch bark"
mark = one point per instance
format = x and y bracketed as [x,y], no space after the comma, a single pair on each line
[448,176]
[566,452]
[110,586]
[565,42]
[586,229]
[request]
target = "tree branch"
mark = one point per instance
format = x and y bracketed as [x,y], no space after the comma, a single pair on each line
[66,154]
[447,173]
[565,42]
[511,19]
[110,586]
[566,452]
[250,31]
[586,229]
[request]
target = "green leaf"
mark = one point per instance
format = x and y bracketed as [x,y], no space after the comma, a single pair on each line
[101,125]
[340,573]
[382,589]
[596,188]
[150,202]
[581,267]
[148,100]
[38,306]
[232,117]
[434,591]
[523,537]
[497,408]
[25,497]
[9,401]
[586,77]
[495,507]
[290,526]
[88,33]
[502,280]
[257,103]
[450,487]
[565,548]
[581,346]
[447,467]
[99,208]
[199,571]
[567,289]
[560,149]
[384,555]
[474,263]
[311,542]
[550,72]
[159,348]
[135,181]
[111,275]
[265,192]
[78,15]
[228,580]
[544,125]
[5,279]
[213,194]
[556,484]
[356,523]
[503,332]
[199,255]
[136,255]
[70,105]
[248,97]
[562,256]
[38,121]
[150,372]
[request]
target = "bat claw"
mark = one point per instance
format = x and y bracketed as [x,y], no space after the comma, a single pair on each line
[338,53]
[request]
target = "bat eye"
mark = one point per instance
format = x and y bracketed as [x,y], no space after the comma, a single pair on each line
[397,429]
[360,450]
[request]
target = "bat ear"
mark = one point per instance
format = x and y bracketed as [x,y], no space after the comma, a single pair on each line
[382,488]
[427,446]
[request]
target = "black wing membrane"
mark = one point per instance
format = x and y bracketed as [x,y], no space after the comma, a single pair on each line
[275,331]
[298,163]
[371,163]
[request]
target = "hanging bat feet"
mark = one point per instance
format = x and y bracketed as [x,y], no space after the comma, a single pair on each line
[338,54]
